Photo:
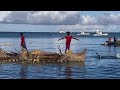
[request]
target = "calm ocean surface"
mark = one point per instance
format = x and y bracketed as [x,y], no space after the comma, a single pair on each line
[106,68]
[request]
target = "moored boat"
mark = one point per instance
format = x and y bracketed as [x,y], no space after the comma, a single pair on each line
[61,31]
[99,33]
[83,33]
[112,43]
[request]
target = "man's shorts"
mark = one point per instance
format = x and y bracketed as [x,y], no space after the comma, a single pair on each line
[24,46]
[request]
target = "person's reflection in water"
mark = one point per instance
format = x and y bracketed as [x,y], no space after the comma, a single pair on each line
[23,71]
[68,72]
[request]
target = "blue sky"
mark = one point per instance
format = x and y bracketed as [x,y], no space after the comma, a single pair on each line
[81,20]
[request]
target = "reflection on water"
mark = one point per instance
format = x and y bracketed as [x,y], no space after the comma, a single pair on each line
[23,71]
[69,68]
[68,72]
[52,69]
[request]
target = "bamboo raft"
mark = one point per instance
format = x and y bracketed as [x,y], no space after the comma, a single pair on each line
[38,56]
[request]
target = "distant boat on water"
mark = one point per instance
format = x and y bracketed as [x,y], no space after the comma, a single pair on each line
[61,31]
[99,33]
[83,33]
[118,55]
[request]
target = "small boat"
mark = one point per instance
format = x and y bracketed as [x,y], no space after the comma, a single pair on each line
[118,55]
[99,33]
[83,33]
[61,31]
[112,43]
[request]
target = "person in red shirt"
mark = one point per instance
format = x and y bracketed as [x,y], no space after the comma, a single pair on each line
[23,44]
[68,40]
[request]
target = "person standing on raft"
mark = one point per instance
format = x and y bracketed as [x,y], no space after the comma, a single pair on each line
[68,40]
[23,44]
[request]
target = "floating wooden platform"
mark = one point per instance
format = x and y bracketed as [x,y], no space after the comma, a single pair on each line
[38,56]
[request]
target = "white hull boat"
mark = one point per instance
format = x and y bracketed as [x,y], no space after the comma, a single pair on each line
[99,33]
[83,33]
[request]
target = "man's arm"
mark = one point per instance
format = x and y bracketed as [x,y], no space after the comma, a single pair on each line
[76,39]
[61,39]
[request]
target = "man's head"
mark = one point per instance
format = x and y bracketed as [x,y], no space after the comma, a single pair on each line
[68,33]
[21,34]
